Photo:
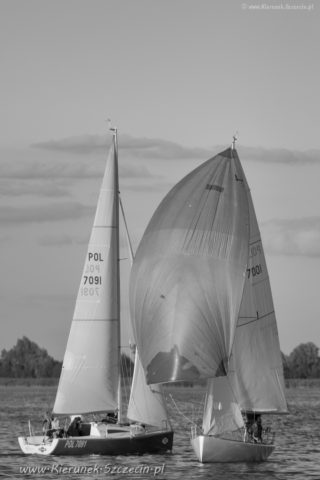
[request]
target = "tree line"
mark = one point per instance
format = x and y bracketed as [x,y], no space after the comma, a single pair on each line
[27,360]
[303,362]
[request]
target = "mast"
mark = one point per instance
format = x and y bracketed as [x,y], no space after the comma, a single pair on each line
[234,139]
[114,131]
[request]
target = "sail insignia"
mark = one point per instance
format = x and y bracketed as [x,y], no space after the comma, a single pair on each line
[217,188]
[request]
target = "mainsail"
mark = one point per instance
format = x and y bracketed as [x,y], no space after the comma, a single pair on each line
[90,372]
[189,272]
[256,371]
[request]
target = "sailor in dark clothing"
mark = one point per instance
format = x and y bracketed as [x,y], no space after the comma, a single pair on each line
[257,429]
[74,429]
[46,424]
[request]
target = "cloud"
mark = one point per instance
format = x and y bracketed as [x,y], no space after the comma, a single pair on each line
[17,187]
[293,236]
[44,213]
[155,148]
[32,165]
[61,240]
[150,148]
[48,168]
[280,155]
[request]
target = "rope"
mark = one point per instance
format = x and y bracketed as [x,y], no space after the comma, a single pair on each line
[179,411]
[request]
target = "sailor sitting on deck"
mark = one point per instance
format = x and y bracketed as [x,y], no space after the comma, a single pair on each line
[257,430]
[46,424]
[111,417]
[74,429]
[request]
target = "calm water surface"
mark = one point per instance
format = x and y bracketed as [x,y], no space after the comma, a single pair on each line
[296,457]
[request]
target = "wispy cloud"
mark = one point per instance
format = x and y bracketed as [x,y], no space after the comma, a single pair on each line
[44,213]
[31,165]
[17,188]
[280,155]
[61,240]
[150,148]
[155,148]
[293,236]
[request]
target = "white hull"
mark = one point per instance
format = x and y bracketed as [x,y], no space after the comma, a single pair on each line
[210,449]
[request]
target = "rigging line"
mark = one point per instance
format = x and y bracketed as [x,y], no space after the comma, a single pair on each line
[127,231]
[179,411]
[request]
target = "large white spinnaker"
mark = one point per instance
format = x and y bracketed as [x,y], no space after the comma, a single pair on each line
[90,372]
[187,279]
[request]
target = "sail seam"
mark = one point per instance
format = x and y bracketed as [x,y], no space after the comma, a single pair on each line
[256,241]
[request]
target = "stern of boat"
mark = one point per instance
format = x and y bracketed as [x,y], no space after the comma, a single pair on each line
[211,449]
[39,445]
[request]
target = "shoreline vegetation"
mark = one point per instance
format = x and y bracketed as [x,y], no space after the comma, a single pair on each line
[28,364]
[53,382]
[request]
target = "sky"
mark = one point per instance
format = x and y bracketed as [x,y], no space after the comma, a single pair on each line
[178,78]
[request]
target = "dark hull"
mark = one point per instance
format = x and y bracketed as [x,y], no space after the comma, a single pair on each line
[121,444]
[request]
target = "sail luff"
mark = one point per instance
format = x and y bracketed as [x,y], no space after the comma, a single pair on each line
[117,201]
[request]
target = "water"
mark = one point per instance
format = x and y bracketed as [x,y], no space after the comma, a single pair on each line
[296,457]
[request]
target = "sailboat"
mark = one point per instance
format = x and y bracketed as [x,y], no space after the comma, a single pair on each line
[202,308]
[90,381]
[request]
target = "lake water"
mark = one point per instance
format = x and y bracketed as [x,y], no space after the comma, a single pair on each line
[297,455]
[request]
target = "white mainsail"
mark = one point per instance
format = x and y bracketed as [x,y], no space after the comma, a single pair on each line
[188,275]
[254,382]
[90,372]
[256,371]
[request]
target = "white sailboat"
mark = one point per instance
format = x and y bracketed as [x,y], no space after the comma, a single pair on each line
[202,307]
[90,380]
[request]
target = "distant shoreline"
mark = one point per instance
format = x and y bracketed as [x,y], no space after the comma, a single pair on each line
[53,382]
[29,382]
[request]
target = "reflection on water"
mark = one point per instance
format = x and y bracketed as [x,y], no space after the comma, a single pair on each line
[296,457]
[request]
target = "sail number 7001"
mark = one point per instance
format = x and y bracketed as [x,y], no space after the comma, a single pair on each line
[253,271]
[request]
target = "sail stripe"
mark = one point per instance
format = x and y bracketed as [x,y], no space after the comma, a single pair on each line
[256,241]
[254,319]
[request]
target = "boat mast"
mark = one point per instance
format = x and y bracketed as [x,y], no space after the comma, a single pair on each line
[114,131]
[235,138]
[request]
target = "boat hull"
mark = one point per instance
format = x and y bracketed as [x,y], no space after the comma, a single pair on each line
[122,443]
[210,449]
